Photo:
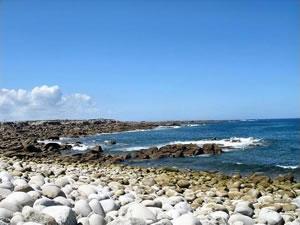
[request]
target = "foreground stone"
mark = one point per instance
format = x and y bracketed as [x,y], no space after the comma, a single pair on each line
[92,194]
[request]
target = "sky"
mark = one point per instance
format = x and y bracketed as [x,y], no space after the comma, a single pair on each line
[149,60]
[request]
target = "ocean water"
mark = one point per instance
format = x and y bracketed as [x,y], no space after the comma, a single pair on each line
[268,146]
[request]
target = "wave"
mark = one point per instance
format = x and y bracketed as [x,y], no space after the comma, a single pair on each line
[49,141]
[248,120]
[75,147]
[228,144]
[288,167]
[193,125]
[166,127]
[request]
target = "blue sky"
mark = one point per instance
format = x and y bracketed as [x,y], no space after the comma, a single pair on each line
[154,60]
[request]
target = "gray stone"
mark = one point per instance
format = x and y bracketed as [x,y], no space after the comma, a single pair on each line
[82,208]
[16,200]
[86,190]
[96,219]
[137,210]
[29,214]
[108,205]
[270,217]
[62,214]
[96,207]
[5,213]
[245,208]
[129,221]
[245,220]
[52,191]
[44,202]
[187,219]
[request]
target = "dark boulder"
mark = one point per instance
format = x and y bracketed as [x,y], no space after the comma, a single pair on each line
[30,145]
[52,146]
[213,149]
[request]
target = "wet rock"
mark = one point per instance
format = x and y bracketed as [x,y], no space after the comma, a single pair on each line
[213,149]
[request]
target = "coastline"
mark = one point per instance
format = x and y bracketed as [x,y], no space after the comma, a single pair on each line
[127,194]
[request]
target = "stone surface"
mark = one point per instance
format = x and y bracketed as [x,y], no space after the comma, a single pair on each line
[63,215]
[187,219]
[270,217]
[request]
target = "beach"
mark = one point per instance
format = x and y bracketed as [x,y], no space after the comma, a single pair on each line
[42,184]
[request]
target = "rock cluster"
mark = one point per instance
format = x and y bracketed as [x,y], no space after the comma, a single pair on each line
[63,193]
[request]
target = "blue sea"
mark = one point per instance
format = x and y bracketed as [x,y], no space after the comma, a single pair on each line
[268,146]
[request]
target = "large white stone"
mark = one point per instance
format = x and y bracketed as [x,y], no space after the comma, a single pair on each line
[62,181]
[37,180]
[108,205]
[43,203]
[186,219]
[96,207]
[4,192]
[30,214]
[270,217]
[183,207]
[125,199]
[163,222]
[51,191]
[82,208]
[86,190]
[62,214]
[16,200]
[236,218]
[16,219]
[96,219]
[219,215]
[296,201]
[83,221]
[128,221]
[5,177]
[138,210]
[5,213]
[245,208]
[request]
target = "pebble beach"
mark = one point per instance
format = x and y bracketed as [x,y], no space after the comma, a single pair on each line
[34,193]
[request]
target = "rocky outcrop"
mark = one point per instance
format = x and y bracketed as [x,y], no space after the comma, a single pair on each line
[174,151]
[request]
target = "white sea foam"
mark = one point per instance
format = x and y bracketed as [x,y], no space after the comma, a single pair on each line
[193,125]
[80,147]
[136,148]
[141,130]
[166,127]
[287,167]
[76,147]
[227,144]
[231,143]
[49,141]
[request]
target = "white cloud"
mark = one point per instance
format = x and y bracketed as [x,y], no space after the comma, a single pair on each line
[45,102]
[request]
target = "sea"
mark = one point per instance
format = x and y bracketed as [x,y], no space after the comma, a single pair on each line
[270,147]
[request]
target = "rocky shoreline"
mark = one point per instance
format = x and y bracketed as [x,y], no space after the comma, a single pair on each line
[33,193]
[39,184]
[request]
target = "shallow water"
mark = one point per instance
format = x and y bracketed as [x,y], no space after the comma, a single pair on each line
[269,146]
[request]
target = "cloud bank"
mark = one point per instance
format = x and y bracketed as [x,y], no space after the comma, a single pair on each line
[45,102]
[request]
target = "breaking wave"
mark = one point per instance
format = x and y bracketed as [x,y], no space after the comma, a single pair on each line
[288,167]
[231,143]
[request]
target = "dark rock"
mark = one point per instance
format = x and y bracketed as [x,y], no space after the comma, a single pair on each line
[52,146]
[211,149]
